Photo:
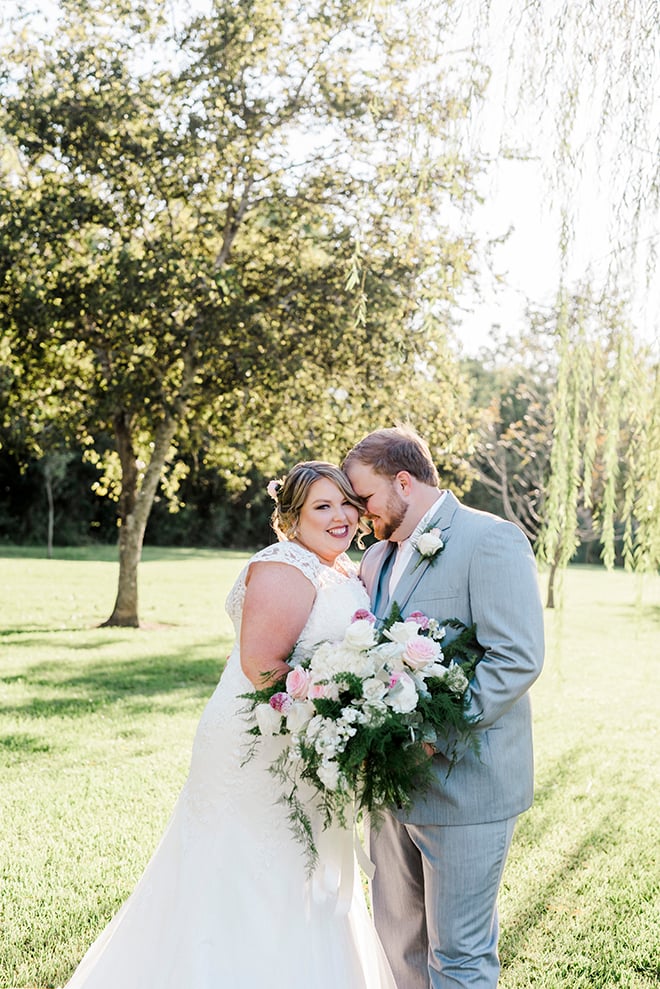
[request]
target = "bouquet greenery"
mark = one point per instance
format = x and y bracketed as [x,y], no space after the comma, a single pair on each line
[357,713]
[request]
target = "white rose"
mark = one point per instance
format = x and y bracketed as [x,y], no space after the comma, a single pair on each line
[314,727]
[437,670]
[402,697]
[360,635]
[299,714]
[401,632]
[268,719]
[429,543]
[374,689]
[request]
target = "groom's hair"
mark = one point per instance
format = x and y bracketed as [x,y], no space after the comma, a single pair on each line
[387,451]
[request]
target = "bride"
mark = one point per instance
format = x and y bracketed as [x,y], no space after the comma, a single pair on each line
[225,902]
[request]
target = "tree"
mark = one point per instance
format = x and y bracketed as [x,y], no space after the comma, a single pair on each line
[181,208]
[578,98]
[569,433]
[606,444]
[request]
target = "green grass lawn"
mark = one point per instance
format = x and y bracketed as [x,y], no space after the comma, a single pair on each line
[96,726]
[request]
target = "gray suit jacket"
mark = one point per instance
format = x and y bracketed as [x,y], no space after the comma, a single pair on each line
[486,575]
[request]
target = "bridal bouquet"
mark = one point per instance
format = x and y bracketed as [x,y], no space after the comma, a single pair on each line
[356,713]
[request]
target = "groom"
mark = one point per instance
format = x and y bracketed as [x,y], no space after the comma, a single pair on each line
[439,865]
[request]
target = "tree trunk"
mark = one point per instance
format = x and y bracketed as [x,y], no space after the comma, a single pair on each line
[134,507]
[51,514]
[125,611]
[550,599]
[552,577]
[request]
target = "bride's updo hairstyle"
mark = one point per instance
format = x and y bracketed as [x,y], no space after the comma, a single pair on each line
[290,494]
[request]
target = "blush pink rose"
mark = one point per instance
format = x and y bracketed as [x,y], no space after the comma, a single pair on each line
[297,682]
[362,615]
[316,691]
[419,618]
[281,702]
[419,652]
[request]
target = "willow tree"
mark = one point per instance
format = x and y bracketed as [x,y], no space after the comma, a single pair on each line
[580,100]
[182,205]
[606,445]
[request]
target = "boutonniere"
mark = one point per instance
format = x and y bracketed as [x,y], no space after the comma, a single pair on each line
[429,545]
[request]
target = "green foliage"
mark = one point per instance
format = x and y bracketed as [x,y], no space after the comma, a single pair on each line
[513,387]
[605,438]
[180,209]
[154,221]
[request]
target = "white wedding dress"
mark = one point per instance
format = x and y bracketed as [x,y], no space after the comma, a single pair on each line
[225,902]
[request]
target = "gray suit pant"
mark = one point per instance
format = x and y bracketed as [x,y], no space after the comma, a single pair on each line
[435,901]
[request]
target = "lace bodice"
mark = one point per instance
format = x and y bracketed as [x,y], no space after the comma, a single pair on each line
[339,593]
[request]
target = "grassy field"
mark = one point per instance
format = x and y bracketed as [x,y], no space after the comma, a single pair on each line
[96,727]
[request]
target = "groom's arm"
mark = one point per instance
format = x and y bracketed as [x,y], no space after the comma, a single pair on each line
[506,608]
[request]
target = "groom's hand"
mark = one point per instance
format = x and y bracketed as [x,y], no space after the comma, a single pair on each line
[429,749]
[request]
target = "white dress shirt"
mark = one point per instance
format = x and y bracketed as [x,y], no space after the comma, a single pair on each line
[406,547]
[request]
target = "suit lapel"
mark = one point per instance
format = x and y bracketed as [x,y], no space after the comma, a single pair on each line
[417,566]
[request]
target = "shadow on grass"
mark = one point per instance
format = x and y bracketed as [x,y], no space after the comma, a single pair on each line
[534,903]
[48,637]
[23,744]
[193,670]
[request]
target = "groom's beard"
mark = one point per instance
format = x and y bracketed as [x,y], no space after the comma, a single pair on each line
[386,525]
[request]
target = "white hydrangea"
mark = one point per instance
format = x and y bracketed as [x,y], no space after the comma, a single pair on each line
[328,738]
[326,663]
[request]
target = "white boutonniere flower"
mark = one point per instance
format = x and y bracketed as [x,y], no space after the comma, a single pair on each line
[429,545]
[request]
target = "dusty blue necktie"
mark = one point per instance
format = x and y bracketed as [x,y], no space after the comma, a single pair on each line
[383,586]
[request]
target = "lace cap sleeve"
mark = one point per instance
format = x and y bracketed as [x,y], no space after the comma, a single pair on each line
[293,554]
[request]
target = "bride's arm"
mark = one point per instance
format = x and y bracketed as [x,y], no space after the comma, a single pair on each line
[278,600]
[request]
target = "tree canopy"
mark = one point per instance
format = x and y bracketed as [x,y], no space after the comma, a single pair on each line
[236,234]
